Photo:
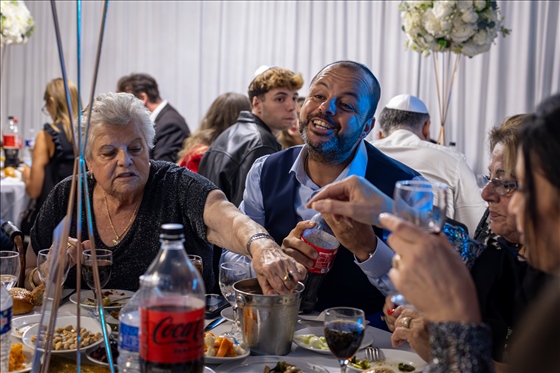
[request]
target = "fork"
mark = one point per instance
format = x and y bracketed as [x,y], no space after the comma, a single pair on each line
[374,354]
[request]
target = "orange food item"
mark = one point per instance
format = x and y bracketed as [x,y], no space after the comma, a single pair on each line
[17,358]
[226,347]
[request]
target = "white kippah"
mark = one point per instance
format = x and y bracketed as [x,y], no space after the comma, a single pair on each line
[261,70]
[407,103]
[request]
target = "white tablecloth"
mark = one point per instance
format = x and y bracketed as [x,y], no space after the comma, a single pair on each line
[14,199]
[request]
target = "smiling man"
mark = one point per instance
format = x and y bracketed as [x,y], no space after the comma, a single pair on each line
[337,115]
[273,94]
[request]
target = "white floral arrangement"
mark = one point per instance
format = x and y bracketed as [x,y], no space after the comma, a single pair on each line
[466,27]
[17,25]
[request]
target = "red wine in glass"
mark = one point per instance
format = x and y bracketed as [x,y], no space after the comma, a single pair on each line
[104,266]
[344,332]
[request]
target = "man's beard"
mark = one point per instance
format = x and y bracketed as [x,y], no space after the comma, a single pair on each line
[335,151]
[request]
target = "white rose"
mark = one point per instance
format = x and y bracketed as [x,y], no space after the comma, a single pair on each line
[479,4]
[432,24]
[481,38]
[471,49]
[469,16]
[445,26]
[461,31]
[443,9]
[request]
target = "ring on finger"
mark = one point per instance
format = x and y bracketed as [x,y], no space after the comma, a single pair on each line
[288,276]
[395,261]
[405,322]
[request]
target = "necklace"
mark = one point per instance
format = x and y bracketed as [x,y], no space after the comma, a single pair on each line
[118,237]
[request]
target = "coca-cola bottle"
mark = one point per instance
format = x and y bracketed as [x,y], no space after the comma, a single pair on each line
[12,143]
[172,301]
[322,239]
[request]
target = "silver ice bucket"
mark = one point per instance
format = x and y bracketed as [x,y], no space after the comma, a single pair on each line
[267,321]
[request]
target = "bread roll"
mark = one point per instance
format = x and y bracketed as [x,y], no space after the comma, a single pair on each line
[23,301]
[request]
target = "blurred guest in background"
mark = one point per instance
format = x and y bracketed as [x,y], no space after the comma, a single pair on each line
[171,128]
[405,131]
[273,95]
[53,155]
[292,136]
[222,114]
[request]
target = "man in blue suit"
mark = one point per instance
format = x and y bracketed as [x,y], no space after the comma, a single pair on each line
[337,115]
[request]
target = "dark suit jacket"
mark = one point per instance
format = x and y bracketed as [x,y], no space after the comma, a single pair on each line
[171,130]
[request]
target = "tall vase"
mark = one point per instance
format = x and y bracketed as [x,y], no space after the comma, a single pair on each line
[445,72]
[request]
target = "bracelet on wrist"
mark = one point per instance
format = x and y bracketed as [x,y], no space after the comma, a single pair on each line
[254,237]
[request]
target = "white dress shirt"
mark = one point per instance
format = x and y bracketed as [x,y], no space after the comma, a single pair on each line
[155,113]
[439,164]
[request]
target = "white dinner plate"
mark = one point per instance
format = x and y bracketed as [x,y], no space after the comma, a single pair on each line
[220,360]
[227,313]
[319,331]
[85,322]
[392,360]
[255,364]
[22,323]
[121,297]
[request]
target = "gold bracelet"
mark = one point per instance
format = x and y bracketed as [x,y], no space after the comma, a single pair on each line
[30,278]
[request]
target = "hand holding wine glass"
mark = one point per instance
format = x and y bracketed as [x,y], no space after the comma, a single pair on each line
[44,263]
[423,204]
[230,273]
[9,268]
[344,332]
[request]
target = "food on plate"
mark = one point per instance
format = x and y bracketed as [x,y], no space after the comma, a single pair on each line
[380,370]
[313,341]
[10,172]
[66,338]
[21,331]
[404,367]
[100,354]
[106,299]
[282,367]
[24,300]
[220,346]
[115,313]
[360,364]
[17,358]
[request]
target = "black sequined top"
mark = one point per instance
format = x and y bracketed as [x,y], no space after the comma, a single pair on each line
[172,195]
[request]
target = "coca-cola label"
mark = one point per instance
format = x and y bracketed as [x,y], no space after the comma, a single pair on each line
[324,260]
[12,140]
[129,337]
[171,337]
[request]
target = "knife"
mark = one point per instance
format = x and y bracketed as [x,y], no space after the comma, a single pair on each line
[214,324]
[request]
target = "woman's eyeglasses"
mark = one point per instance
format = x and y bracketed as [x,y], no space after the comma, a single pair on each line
[501,187]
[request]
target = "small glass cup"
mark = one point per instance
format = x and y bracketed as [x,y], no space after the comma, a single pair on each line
[196,261]
[9,268]
[43,265]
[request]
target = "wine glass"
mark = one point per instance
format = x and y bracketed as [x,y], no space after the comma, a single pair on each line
[344,332]
[9,268]
[43,265]
[230,273]
[104,265]
[423,204]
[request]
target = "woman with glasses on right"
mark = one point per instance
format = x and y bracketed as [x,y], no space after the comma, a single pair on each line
[53,154]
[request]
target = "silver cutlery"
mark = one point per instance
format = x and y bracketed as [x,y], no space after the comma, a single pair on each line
[374,354]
